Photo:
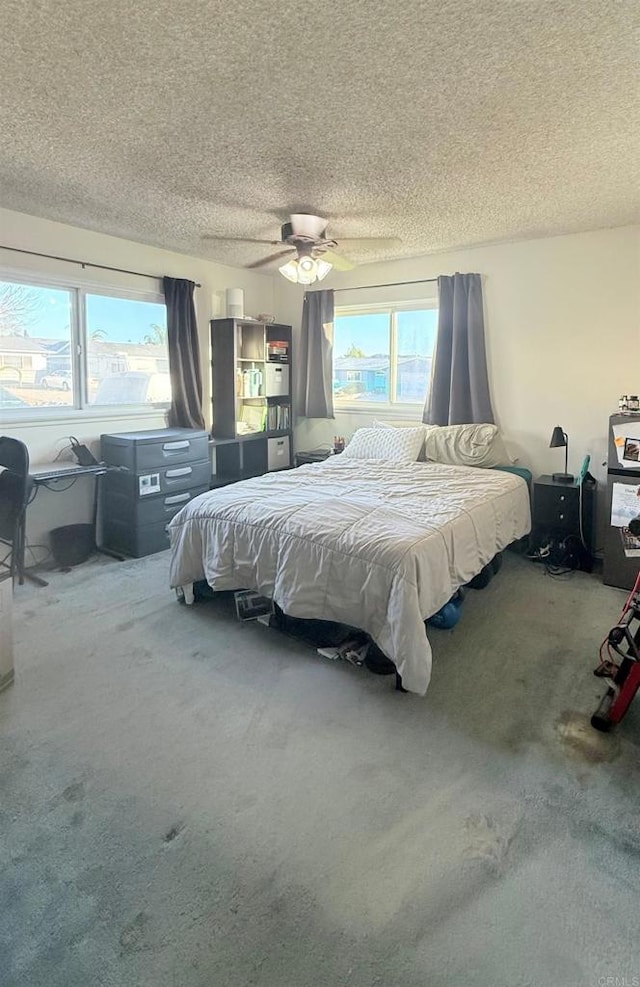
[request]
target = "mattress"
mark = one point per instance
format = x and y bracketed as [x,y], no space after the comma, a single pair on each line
[378,545]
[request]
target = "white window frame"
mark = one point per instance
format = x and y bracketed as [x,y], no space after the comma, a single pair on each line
[391,408]
[81,410]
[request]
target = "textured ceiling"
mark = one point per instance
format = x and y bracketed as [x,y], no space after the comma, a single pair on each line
[444,123]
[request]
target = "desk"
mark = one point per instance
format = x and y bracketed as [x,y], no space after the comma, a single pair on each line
[43,473]
[49,475]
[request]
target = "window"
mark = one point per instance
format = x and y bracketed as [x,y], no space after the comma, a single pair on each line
[383,355]
[127,356]
[68,348]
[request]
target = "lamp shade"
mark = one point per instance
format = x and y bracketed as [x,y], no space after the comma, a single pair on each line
[323,269]
[558,438]
[290,271]
[305,270]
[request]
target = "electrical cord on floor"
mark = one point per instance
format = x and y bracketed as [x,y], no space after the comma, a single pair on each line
[31,549]
[56,488]
[584,544]
[560,559]
[556,572]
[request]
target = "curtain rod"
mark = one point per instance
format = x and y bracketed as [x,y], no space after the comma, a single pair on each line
[86,263]
[391,284]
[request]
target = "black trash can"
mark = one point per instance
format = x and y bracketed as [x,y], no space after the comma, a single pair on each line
[72,544]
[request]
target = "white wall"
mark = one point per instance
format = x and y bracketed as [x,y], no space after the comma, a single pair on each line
[563,336]
[563,333]
[45,439]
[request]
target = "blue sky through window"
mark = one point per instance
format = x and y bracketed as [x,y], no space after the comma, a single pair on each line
[123,320]
[362,370]
[45,313]
[369,332]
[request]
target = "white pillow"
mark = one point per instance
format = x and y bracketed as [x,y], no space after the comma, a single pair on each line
[399,445]
[400,424]
[405,424]
[466,445]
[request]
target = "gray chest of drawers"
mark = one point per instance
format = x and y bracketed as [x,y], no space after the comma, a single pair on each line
[158,472]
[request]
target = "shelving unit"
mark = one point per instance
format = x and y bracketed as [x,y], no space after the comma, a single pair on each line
[240,367]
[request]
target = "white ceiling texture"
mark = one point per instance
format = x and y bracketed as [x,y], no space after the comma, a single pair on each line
[442,122]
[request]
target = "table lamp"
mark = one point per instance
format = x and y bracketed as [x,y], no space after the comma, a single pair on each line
[559,438]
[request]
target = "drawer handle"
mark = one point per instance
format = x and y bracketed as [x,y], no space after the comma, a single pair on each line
[177,499]
[561,496]
[562,517]
[179,471]
[175,446]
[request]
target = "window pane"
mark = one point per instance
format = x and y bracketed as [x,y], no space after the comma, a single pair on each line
[361,358]
[127,355]
[416,341]
[35,347]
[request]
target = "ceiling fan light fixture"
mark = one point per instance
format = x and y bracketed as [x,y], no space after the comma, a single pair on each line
[305,270]
[306,275]
[307,265]
[323,269]
[290,271]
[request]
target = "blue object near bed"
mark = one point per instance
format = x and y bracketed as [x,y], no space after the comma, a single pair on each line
[518,471]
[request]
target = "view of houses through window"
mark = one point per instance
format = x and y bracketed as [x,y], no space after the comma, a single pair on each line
[383,356]
[66,347]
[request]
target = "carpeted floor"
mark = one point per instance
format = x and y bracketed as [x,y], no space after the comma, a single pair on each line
[186,801]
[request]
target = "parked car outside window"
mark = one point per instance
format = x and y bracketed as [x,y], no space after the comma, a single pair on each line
[134,387]
[57,380]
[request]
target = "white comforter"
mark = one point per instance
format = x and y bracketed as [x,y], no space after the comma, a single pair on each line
[378,545]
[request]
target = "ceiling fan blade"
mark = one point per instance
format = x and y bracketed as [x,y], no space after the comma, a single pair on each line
[270,259]
[370,243]
[240,239]
[340,263]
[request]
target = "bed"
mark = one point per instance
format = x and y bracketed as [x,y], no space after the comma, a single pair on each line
[377,545]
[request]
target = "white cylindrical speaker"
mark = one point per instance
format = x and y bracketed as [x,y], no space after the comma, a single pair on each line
[235,303]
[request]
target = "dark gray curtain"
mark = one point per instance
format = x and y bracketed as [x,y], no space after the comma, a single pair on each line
[459,387]
[184,355]
[315,374]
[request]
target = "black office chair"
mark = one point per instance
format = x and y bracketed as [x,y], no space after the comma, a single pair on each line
[15,490]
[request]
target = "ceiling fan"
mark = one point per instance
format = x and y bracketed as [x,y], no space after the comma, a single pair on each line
[305,237]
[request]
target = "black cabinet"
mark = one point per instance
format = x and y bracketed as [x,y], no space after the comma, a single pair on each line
[156,473]
[620,564]
[561,510]
[312,456]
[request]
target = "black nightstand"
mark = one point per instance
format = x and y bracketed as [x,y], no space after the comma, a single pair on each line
[312,456]
[556,512]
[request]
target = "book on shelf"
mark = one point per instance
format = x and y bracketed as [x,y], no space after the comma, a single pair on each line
[278,417]
[278,351]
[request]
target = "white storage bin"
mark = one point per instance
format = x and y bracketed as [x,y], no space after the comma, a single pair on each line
[276,380]
[279,453]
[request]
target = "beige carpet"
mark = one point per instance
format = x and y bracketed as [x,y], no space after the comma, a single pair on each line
[186,801]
